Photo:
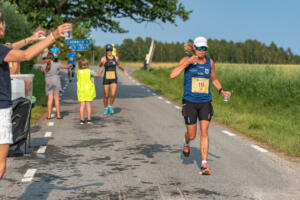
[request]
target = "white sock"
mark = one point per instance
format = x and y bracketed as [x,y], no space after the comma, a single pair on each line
[204,162]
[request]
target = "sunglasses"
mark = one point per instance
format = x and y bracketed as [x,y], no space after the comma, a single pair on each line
[201,48]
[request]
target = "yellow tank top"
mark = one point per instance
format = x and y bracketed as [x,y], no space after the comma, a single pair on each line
[86,90]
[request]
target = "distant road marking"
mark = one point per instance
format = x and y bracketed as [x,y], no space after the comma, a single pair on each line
[159,97]
[167,102]
[259,148]
[52,115]
[41,150]
[50,124]
[177,107]
[154,94]
[54,109]
[48,134]
[142,87]
[28,176]
[148,90]
[137,83]
[228,133]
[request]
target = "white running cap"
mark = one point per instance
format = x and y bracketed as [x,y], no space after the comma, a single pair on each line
[200,42]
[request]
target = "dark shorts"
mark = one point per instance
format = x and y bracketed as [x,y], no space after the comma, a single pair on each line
[55,59]
[109,81]
[191,111]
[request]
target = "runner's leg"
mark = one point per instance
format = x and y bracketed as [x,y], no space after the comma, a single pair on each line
[204,141]
[106,94]
[113,90]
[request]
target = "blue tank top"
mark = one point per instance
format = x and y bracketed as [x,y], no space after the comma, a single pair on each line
[197,82]
[71,58]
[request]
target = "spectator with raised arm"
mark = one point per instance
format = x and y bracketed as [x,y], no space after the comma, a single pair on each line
[14,55]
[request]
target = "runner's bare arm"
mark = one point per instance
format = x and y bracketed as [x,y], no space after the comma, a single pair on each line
[216,82]
[34,50]
[36,36]
[183,63]
[120,67]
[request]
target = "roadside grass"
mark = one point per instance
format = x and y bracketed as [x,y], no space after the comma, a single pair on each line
[265,103]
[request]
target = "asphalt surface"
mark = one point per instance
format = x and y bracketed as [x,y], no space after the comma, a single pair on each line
[136,154]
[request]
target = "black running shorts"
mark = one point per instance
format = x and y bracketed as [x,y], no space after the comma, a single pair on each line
[191,111]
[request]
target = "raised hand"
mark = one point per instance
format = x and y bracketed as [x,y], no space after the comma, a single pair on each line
[61,29]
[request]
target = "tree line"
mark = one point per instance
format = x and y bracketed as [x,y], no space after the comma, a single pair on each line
[249,51]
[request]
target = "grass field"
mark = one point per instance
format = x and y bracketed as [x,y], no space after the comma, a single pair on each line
[265,102]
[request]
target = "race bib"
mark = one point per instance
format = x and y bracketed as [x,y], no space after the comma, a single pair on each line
[70,58]
[200,85]
[110,75]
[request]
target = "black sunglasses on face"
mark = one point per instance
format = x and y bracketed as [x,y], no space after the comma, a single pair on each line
[201,48]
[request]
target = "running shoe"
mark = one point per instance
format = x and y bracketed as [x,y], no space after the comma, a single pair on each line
[111,110]
[81,122]
[204,170]
[105,111]
[186,150]
[90,122]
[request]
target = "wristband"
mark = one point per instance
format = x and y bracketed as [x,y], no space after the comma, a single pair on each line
[220,90]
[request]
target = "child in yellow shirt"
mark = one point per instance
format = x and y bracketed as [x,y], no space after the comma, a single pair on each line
[86,91]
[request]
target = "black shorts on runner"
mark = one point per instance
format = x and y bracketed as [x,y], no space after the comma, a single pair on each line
[191,111]
[55,59]
[109,81]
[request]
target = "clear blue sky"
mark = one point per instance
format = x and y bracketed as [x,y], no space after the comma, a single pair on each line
[236,20]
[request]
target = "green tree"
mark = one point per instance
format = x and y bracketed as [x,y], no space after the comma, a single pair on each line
[101,14]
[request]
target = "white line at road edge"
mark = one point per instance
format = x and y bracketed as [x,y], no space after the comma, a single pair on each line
[228,133]
[142,87]
[48,134]
[177,107]
[28,176]
[167,102]
[259,148]
[42,149]
[148,90]
[50,124]
[159,97]
[154,94]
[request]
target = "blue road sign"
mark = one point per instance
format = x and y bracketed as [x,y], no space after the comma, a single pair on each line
[79,41]
[80,47]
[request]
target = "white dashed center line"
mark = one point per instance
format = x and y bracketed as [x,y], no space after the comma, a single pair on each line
[50,124]
[228,133]
[259,148]
[159,97]
[28,176]
[148,90]
[154,94]
[167,102]
[48,134]
[177,107]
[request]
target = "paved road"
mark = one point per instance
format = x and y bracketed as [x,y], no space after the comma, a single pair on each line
[136,154]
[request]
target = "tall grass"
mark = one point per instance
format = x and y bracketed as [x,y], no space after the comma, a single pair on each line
[265,103]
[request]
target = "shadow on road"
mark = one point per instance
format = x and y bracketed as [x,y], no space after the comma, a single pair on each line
[40,190]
